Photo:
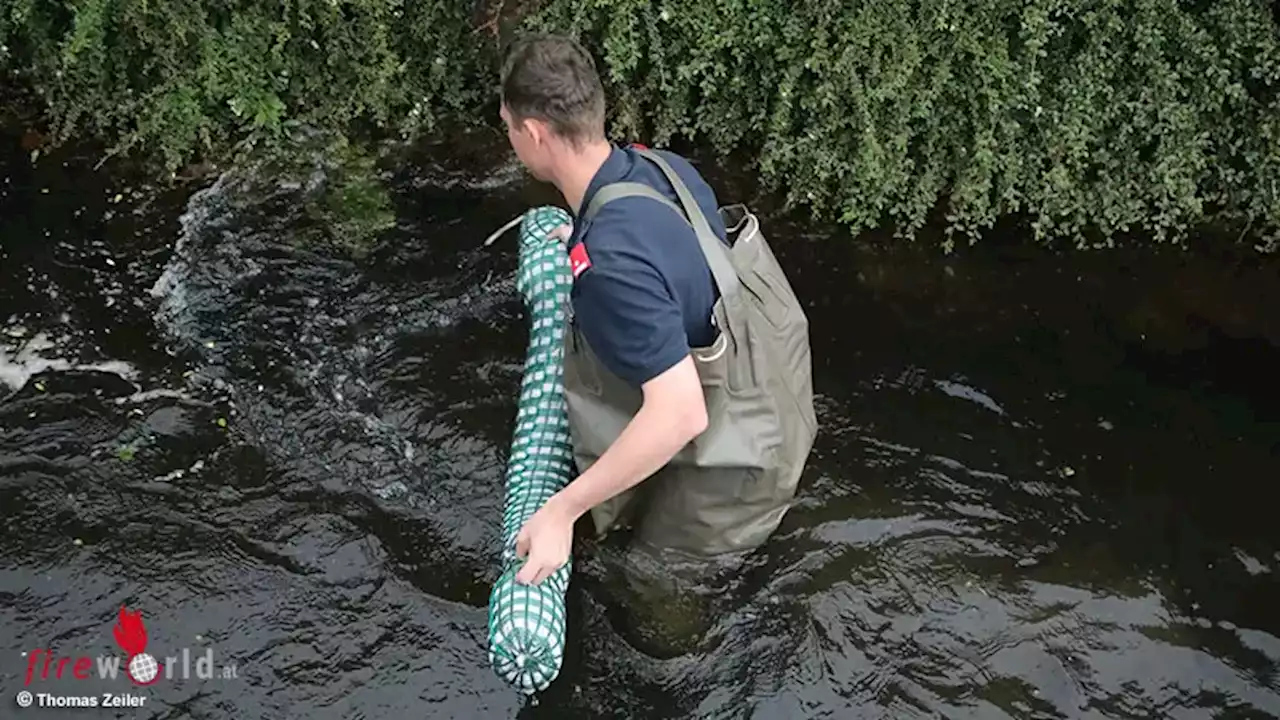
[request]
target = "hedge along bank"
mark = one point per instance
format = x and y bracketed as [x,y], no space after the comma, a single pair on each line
[1093,118]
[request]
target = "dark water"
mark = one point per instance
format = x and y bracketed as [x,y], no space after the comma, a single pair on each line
[1042,489]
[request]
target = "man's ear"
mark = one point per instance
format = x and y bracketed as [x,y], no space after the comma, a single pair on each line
[538,131]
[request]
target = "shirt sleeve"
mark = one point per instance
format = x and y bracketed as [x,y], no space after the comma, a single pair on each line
[625,308]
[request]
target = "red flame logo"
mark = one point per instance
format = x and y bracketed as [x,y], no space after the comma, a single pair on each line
[130,632]
[131,636]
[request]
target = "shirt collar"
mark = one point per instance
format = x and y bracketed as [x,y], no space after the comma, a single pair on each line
[614,169]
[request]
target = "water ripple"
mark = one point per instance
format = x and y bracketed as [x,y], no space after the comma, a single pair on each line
[297,463]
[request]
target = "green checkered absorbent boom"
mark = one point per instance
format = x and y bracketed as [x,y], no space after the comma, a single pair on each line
[527,622]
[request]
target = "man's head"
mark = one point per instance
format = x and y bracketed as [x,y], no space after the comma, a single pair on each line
[552,101]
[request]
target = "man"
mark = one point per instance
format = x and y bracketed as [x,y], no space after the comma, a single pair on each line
[687,367]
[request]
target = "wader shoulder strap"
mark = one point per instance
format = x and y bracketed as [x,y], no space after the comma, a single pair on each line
[713,250]
[612,192]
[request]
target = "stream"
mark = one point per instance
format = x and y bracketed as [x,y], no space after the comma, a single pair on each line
[1038,490]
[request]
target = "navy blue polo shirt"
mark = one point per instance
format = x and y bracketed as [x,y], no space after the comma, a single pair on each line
[647,294]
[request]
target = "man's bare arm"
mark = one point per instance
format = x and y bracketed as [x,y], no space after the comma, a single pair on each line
[673,412]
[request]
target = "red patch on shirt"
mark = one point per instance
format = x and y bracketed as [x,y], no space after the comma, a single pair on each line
[578,259]
[639,146]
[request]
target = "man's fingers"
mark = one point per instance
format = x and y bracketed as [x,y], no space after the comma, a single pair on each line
[529,572]
[563,232]
[543,574]
[522,544]
[544,570]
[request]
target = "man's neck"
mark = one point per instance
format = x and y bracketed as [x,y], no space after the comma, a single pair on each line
[577,169]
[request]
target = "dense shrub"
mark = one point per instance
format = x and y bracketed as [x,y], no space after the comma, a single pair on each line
[179,77]
[1102,116]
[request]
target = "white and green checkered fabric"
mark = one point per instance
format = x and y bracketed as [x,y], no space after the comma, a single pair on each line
[527,622]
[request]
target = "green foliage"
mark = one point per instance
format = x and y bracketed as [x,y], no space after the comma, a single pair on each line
[182,77]
[1093,118]
[1097,117]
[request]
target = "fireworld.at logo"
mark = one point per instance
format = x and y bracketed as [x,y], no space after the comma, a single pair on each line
[139,666]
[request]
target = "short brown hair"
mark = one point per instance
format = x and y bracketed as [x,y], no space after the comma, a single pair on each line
[553,78]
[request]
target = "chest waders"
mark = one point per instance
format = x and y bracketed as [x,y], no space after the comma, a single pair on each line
[527,622]
[728,489]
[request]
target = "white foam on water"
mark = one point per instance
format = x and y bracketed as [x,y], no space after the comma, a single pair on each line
[20,361]
[509,173]
[169,288]
[143,396]
[964,392]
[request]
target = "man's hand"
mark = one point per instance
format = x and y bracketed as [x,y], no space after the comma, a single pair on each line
[545,541]
[562,233]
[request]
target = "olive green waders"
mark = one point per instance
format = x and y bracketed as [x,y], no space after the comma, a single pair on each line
[728,489]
